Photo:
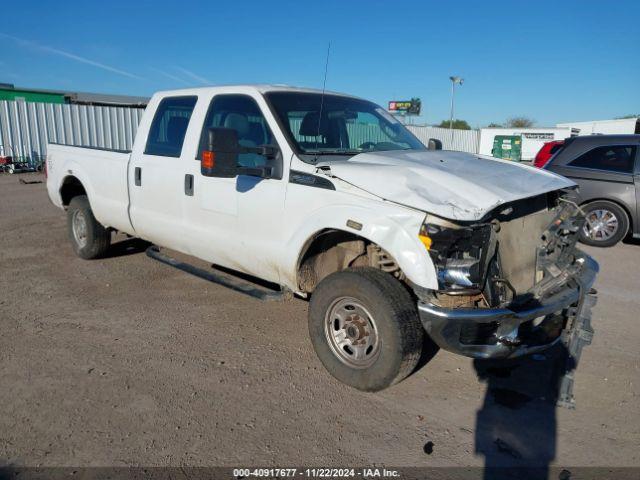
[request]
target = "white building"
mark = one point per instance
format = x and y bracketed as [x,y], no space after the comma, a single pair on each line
[619,126]
[532,138]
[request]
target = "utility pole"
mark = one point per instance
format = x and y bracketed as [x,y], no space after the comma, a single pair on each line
[454,80]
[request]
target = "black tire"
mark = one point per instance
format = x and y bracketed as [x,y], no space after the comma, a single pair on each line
[397,327]
[96,238]
[599,240]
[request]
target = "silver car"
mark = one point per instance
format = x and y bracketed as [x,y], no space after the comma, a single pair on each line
[607,170]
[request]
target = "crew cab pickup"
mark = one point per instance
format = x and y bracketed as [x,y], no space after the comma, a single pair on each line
[332,199]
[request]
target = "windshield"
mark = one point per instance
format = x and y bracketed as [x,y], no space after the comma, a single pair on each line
[346,126]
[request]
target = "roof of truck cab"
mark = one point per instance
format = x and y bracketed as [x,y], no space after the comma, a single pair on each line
[260,88]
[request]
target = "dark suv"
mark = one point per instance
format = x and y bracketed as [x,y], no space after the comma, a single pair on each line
[607,170]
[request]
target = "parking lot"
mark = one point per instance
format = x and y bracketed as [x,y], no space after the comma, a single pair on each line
[125,361]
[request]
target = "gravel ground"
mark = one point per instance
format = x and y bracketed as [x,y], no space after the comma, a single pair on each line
[125,361]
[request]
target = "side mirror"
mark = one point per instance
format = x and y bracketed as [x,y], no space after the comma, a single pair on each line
[220,159]
[434,144]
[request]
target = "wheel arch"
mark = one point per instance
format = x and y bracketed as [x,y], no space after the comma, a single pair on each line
[327,251]
[330,249]
[71,186]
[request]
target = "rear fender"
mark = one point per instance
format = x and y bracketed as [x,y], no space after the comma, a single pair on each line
[74,170]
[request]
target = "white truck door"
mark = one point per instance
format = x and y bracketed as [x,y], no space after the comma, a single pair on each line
[236,222]
[157,175]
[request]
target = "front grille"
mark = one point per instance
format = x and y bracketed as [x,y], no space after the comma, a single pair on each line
[518,241]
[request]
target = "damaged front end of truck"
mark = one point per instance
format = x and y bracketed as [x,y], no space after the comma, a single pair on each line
[511,284]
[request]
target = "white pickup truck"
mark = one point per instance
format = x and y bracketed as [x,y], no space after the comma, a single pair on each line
[330,198]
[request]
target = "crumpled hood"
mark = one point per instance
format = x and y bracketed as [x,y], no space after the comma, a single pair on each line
[454,185]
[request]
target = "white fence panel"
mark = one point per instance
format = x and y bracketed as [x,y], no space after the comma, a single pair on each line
[459,140]
[26,127]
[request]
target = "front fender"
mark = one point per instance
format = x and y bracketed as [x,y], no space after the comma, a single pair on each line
[393,228]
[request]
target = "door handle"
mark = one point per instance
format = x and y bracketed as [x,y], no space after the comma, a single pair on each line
[188,185]
[138,176]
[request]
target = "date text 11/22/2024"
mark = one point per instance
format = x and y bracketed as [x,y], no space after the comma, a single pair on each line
[316,472]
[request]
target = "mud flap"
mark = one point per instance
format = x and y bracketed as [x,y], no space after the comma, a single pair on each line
[575,339]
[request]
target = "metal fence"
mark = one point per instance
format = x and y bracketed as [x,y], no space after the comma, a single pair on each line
[359,133]
[459,140]
[26,127]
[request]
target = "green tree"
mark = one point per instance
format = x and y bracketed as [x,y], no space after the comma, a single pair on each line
[628,116]
[494,125]
[520,122]
[458,124]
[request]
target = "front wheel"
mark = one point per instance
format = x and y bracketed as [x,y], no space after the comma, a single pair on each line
[88,237]
[605,224]
[365,329]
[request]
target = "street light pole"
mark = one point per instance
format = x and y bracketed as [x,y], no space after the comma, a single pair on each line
[454,80]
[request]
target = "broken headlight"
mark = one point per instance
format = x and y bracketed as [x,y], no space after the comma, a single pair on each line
[461,254]
[463,272]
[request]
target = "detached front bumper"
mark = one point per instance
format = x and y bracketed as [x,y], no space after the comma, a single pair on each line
[506,333]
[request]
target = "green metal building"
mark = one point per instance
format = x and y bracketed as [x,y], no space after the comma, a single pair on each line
[9,92]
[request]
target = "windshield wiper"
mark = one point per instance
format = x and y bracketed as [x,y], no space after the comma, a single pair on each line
[334,152]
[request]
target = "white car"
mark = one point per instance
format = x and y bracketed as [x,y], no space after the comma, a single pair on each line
[331,198]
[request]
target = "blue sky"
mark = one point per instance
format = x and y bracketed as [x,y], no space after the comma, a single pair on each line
[552,61]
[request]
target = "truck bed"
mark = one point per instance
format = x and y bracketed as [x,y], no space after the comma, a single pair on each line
[104,175]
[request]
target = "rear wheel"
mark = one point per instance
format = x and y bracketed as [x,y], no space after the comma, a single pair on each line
[365,329]
[605,224]
[89,238]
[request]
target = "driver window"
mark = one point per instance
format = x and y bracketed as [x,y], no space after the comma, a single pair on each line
[242,114]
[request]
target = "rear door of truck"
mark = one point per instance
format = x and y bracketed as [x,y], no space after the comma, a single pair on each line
[157,172]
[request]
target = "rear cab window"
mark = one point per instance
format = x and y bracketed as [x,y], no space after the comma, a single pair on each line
[169,126]
[612,158]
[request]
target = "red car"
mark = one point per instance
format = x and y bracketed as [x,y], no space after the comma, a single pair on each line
[546,152]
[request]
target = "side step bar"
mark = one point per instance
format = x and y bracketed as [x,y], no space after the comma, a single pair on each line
[221,279]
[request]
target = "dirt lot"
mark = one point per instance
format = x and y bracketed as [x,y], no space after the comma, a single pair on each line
[125,361]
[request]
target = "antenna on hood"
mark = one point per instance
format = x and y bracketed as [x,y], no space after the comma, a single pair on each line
[324,85]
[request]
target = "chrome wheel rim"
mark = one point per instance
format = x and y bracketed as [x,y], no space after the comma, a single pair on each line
[600,225]
[79,228]
[351,333]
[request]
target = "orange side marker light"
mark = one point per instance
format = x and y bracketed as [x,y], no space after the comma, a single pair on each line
[208,159]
